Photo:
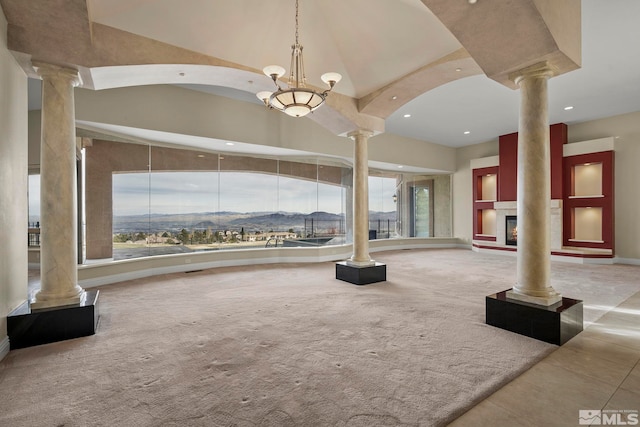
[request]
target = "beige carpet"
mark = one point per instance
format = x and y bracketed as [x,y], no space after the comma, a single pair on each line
[288,345]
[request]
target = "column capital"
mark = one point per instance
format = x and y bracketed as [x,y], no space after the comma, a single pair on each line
[360,132]
[47,70]
[539,70]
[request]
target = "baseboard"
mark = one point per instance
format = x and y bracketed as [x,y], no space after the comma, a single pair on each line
[629,261]
[4,347]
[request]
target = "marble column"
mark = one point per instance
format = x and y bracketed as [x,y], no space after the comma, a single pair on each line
[360,257]
[534,189]
[58,190]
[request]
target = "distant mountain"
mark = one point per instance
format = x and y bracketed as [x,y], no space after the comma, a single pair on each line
[250,221]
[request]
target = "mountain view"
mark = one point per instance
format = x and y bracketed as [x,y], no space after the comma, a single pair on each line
[250,221]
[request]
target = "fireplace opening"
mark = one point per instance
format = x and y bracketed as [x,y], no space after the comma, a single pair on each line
[511,234]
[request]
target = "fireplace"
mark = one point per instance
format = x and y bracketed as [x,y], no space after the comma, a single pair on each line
[511,230]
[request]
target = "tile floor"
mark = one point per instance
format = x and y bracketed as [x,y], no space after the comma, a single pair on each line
[599,369]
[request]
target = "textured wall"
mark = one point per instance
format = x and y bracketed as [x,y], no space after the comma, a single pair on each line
[13,182]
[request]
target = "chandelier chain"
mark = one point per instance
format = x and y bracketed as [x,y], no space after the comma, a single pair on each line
[297,22]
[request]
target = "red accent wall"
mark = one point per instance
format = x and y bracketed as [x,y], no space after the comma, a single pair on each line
[558,137]
[508,152]
[507,180]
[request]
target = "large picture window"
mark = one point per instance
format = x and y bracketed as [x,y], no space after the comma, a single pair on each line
[143,200]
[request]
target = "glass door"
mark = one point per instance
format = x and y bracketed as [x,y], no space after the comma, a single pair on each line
[421,221]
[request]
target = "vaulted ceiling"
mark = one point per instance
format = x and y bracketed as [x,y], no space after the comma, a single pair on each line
[443,62]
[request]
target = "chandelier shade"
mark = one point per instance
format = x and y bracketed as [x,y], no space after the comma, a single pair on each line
[297,100]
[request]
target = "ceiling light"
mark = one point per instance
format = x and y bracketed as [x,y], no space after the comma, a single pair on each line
[406,116]
[394,97]
[201,155]
[297,100]
[229,143]
[467,132]
[458,69]
[569,107]
[400,167]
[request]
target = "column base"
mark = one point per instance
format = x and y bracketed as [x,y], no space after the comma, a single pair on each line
[555,324]
[53,303]
[361,275]
[27,328]
[545,301]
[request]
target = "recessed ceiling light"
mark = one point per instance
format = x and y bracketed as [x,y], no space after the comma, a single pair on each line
[406,116]
[400,166]
[458,69]
[467,132]
[201,155]
[229,143]
[568,107]
[394,97]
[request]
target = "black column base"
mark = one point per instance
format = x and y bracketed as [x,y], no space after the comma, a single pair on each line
[26,328]
[361,275]
[555,324]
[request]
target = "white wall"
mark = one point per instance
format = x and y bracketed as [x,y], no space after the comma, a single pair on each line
[462,194]
[625,129]
[13,184]
[182,111]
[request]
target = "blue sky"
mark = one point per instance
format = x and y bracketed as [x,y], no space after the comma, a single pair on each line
[186,192]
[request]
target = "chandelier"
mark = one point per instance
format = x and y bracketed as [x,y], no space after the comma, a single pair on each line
[297,100]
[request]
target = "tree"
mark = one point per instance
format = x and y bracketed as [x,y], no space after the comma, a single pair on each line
[183,236]
[242,234]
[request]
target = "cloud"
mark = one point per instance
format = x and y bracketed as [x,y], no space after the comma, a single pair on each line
[185,192]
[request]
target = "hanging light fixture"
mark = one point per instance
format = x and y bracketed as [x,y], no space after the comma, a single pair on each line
[296,100]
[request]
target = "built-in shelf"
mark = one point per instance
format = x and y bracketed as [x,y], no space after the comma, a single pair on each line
[588,200]
[595,196]
[485,195]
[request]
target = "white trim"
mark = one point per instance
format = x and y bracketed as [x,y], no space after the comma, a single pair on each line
[587,147]
[4,347]
[485,162]
[628,261]
[93,275]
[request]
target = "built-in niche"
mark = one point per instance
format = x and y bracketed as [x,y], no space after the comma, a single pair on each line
[485,191]
[588,202]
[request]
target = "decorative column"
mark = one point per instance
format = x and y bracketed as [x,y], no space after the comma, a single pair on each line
[360,255]
[534,189]
[360,269]
[58,194]
[526,308]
